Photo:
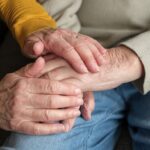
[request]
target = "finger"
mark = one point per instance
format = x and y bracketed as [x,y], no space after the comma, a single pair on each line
[49,57]
[97,55]
[38,48]
[54,63]
[87,56]
[46,115]
[32,70]
[88,105]
[43,86]
[101,49]
[89,98]
[61,73]
[33,46]
[69,124]
[53,101]
[65,50]
[40,128]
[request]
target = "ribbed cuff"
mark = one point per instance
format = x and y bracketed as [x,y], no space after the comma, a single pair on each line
[140,44]
[24,17]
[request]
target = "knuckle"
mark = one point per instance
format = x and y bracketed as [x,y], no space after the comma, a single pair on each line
[86,38]
[47,116]
[52,75]
[54,86]
[8,76]
[20,85]
[54,35]
[46,86]
[74,100]
[67,50]
[49,101]
[88,57]
[80,45]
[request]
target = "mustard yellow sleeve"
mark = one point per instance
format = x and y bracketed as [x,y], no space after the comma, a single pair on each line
[24,17]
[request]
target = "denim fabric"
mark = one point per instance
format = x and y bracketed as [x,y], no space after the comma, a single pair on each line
[102,132]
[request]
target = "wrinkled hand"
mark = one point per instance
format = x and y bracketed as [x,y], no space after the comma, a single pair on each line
[82,52]
[53,62]
[28,103]
[122,66]
[88,105]
[86,109]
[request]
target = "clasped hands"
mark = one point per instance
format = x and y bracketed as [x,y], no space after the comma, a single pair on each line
[45,97]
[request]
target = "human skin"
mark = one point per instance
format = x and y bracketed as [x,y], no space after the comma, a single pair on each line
[80,44]
[14,112]
[122,66]
[83,53]
[67,44]
[28,103]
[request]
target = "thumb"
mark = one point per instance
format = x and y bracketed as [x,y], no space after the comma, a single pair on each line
[88,106]
[32,70]
[33,47]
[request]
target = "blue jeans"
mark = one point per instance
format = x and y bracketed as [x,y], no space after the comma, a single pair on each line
[102,132]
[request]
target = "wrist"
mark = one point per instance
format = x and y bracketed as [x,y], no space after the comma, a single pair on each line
[31,26]
[128,60]
[123,66]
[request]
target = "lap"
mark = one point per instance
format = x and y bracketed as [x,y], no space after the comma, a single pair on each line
[95,134]
[102,130]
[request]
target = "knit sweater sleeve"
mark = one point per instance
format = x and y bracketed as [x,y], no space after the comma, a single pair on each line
[24,17]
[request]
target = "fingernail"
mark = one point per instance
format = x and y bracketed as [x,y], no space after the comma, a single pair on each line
[95,68]
[83,68]
[67,127]
[89,116]
[77,91]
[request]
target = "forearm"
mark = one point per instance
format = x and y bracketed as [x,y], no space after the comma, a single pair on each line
[24,17]
[140,45]
[127,62]
[123,66]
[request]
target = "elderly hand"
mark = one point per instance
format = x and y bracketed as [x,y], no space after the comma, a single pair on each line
[86,109]
[82,52]
[28,103]
[122,66]
[53,62]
